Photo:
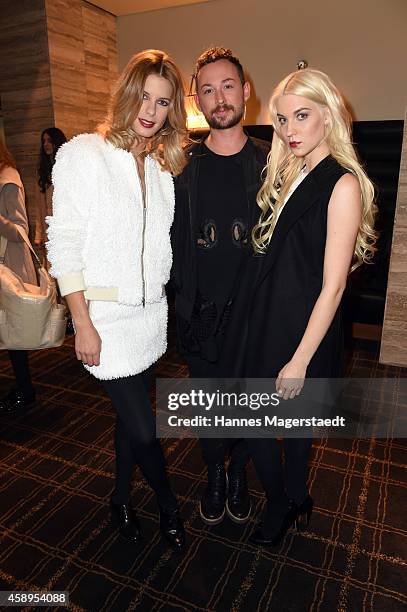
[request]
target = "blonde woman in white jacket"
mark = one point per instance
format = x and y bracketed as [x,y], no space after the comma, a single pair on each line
[109,248]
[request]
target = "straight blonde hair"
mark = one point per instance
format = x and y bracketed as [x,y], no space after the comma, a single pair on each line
[283,167]
[167,145]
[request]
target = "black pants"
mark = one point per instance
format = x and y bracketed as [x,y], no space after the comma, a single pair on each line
[135,440]
[19,362]
[215,450]
[280,484]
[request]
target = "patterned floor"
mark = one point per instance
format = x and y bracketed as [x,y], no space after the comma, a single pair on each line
[57,473]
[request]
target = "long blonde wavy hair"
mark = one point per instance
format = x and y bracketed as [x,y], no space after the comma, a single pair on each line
[283,167]
[167,145]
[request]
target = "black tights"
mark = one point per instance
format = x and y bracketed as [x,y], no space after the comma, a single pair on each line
[19,362]
[279,486]
[135,440]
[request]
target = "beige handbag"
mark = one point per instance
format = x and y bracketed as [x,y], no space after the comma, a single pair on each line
[30,316]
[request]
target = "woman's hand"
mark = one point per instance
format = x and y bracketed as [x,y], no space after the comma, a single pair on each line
[87,344]
[290,379]
[87,340]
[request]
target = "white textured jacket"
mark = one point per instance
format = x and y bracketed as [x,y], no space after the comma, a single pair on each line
[101,238]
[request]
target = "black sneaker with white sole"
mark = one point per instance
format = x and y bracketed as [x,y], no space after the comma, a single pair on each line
[212,504]
[238,504]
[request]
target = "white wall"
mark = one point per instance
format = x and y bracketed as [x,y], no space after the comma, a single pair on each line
[361,44]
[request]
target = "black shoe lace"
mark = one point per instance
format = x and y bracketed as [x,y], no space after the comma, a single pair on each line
[217,482]
[237,482]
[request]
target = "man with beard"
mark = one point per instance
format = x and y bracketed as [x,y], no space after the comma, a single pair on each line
[214,213]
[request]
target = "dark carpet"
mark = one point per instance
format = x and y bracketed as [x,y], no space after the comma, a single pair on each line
[57,472]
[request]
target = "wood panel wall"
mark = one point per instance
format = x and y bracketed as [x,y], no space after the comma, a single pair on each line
[67,65]
[394,336]
[100,50]
[58,63]
[25,83]
[83,59]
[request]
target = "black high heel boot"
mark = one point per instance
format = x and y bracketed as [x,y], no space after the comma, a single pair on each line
[258,537]
[172,528]
[304,514]
[124,517]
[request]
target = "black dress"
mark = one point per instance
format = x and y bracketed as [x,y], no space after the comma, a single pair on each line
[281,288]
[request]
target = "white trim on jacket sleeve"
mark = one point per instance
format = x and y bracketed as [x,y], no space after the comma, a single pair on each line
[71,282]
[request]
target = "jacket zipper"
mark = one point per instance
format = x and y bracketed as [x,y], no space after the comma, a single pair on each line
[144,202]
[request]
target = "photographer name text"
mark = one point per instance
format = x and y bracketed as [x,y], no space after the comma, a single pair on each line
[266,421]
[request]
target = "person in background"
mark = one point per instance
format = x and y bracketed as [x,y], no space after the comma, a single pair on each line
[51,139]
[214,214]
[109,248]
[18,258]
[316,224]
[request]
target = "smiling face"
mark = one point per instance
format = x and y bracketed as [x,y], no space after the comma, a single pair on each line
[221,95]
[47,144]
[302,124]
[155,106]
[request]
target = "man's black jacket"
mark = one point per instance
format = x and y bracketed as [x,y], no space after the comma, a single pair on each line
[184,229]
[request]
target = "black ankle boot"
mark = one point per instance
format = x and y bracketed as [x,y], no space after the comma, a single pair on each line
[238,505]
[16,400]
[124,517]
[172,528]
[212,504]
[261,535]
